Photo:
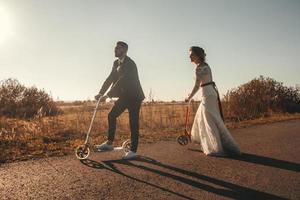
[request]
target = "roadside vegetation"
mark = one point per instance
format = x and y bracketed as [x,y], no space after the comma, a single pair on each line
[32,125]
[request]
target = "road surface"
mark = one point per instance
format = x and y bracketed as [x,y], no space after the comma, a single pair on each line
[268,169]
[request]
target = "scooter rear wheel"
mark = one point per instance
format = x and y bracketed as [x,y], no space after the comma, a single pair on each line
[183,140]
[82,152]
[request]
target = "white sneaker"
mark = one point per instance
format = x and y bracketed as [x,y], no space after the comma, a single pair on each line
[129,155]
[104,147]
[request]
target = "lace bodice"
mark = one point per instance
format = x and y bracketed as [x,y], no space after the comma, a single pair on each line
[204,75]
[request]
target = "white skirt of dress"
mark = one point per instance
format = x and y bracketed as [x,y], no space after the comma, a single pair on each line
[210,131]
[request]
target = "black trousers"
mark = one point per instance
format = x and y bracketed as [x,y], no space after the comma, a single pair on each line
[119,107]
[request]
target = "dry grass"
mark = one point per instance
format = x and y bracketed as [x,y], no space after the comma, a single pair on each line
[59,135]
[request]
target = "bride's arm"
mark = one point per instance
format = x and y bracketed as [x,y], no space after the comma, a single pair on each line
[195,89]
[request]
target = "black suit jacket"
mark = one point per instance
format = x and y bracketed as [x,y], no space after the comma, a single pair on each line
[124,80]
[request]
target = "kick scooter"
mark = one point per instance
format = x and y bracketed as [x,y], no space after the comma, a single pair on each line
[185,138]
[83,151]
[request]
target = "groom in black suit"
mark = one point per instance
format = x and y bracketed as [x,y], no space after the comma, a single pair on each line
[125,85]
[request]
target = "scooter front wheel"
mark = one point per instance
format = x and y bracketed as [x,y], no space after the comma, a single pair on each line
[183,140]
[82,152]
[126,146]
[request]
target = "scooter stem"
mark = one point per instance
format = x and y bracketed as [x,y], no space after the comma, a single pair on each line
[187,116]
[92,121]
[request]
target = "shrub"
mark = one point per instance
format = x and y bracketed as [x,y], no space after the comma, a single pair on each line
[260,97]
[16,100]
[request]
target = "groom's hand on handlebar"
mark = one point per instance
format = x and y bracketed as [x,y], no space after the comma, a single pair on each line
[98,96]
[103,98]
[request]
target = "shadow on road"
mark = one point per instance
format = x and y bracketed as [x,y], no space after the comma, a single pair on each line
[272,162]
[230,190]
[108,165]
[262,160]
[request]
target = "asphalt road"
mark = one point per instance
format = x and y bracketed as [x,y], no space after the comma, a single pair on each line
[268,169]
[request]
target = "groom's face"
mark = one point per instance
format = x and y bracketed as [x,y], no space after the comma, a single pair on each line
[120,51]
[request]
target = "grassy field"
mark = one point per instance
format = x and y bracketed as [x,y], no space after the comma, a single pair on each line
[59,135]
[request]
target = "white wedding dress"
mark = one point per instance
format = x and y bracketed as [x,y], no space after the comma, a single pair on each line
[208,128]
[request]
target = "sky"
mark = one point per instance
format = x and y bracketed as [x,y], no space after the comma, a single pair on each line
[66,47]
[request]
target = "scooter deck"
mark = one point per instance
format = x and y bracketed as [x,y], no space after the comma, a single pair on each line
[115,149]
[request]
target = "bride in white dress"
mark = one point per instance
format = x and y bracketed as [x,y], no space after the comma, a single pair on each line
[208,128]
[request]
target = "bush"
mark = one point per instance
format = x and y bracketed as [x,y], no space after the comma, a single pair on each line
[18,101]
[260,97]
